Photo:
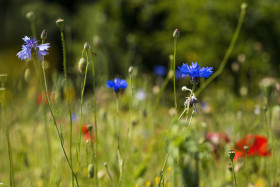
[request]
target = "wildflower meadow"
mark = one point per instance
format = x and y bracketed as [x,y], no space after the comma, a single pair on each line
[140,93]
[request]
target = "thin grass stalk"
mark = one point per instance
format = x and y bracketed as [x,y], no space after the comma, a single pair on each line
[118,139]
[228,53]
[162,170]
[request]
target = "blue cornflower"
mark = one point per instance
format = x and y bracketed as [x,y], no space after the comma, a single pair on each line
[31,44]
[160,70]
[117,84]
[195,71]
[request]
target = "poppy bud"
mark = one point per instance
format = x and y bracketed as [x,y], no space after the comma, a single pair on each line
[30,16]
[231,154]
[44,35]
[82,65]
[90,171]
[60,23]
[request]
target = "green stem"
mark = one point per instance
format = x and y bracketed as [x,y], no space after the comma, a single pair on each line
[109,174]
[162,170]
[45,115]
[95,122]
[12,180]
[68,99]
[174,76]
[118,139]
[233,174]
[129,120]
[60,135]
[81,111]
[33,29]
[228,53]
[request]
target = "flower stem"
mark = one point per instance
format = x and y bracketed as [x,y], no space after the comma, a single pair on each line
[227,55]
[12,180]
[60,135]
[45,115]
[233,174]
[95,121]
[174,77]
[81,111]
[118,139]
[68,97]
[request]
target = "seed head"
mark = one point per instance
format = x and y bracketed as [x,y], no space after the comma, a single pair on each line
[60,23]
[246,148]
[231,154]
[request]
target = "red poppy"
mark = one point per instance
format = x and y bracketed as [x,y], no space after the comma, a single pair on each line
[258,146]
[86,133]
[218,141]
[51,97]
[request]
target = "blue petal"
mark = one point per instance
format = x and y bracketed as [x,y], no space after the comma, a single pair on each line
[110,84]
[123,84]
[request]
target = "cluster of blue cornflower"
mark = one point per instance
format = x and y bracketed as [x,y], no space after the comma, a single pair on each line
[32,45]
[194,71]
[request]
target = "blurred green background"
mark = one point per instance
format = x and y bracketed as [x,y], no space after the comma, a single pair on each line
[139,33]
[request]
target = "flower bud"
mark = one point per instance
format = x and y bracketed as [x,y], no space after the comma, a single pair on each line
[60,23]
[246,148]
[27,75]
[171,58]
[82,65]
[90,171]
[243,6]
[30,16]
[130,69]
[176,33]
[86,46]
[44,35]
[231,154]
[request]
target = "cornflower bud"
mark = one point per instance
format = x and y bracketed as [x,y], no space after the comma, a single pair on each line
[130,69]
[86,46]
[176,33]
[44,35]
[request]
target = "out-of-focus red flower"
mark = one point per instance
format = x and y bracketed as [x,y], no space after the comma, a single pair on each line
[51,97]
[87,133]
[258,146]
[218,140]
